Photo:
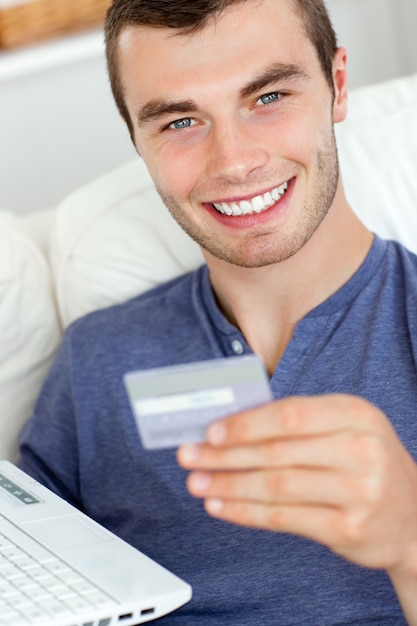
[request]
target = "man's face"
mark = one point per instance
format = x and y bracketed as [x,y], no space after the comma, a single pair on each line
[235,124]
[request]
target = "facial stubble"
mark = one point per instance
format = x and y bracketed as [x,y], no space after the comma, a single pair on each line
[263,246]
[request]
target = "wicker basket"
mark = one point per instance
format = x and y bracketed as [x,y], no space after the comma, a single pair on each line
[27,21]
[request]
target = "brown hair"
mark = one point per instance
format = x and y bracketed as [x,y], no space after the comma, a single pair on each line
[189,16]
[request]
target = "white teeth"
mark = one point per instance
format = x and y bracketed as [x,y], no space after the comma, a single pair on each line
[268,199]
[256,205]
[226,208]
[245,207]
[236,210]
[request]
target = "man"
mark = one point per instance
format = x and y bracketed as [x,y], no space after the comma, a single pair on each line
[304,510]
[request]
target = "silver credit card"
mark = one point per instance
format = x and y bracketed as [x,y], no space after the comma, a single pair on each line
[175,404]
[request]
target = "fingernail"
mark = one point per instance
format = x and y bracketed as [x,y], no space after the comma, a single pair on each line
[214,505]
[200,482]
[216,434]
[189,453]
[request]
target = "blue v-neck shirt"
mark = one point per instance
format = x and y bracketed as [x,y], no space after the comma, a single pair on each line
[83,443]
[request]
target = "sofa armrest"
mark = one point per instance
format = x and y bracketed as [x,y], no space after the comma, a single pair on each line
[37,227]
[30,328]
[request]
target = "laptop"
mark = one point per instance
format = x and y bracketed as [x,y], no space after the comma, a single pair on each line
[58,567]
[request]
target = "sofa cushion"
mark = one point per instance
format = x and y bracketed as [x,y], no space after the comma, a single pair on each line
[30,330]
[114,238]
[378,157]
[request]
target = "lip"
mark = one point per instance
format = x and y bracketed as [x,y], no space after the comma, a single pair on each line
[247,221]
[249,196]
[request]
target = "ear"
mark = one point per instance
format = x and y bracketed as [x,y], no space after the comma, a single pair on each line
[340,85]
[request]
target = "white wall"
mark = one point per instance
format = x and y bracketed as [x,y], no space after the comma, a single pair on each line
[59,126]
[380,36]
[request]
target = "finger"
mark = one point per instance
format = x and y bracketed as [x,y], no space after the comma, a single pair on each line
[343,533]
[341,450]
[325,525]
[295,417]
[285,486]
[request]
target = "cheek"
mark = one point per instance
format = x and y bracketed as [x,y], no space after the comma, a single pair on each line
[172,168]
[300,138]
[176,172]
[295,143]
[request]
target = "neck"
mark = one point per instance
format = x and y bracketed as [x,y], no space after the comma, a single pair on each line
[267,303]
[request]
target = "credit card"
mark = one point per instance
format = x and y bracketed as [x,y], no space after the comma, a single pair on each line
[175,404]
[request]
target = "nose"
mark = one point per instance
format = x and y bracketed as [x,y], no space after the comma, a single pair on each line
[235,152]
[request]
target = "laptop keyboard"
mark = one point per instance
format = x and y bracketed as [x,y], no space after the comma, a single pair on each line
[38,588]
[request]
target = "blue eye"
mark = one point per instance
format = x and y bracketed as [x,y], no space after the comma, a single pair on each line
[269,98]
[185,122]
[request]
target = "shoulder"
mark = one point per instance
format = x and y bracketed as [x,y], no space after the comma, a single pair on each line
[397,250]
[393,288]
[400,266]
[173,293]
[157,321]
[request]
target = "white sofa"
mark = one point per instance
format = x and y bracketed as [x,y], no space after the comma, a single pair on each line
[113,239]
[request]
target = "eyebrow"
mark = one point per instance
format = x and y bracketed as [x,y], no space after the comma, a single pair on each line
[155,109]
[276,73]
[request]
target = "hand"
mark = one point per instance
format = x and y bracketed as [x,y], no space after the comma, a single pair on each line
[330,468]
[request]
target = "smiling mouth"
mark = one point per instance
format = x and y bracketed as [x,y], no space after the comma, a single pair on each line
[257,204]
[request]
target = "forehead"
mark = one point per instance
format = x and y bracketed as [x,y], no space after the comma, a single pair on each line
[245,38]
